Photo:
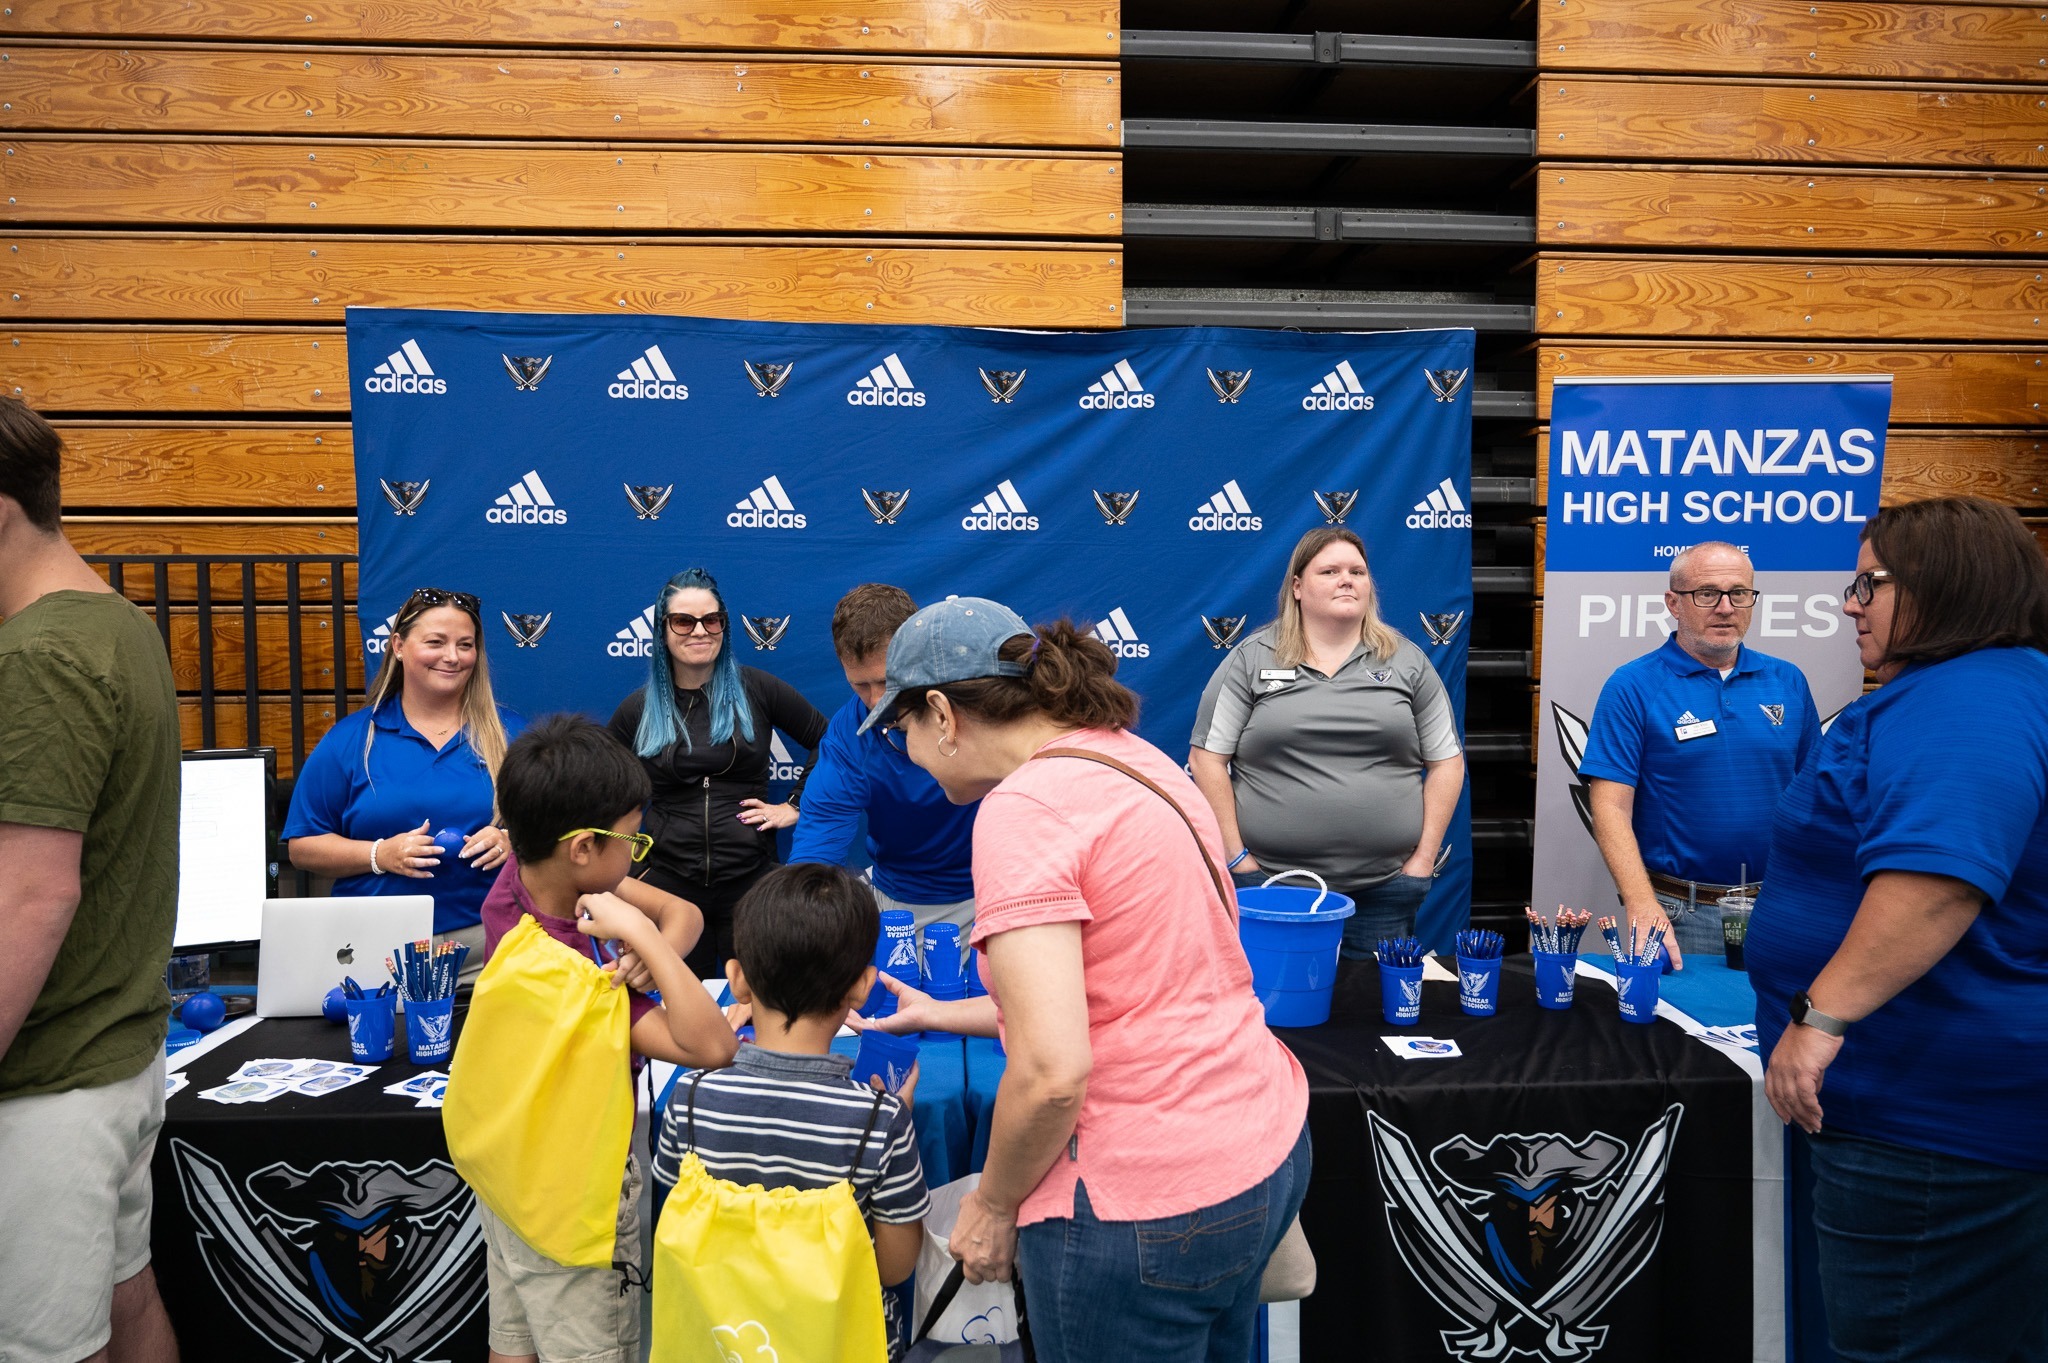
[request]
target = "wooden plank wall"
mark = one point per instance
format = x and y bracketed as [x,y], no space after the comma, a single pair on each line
[195,190]
[1807,187]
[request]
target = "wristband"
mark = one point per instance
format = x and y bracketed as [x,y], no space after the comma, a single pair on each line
[1242,854]
[375,869]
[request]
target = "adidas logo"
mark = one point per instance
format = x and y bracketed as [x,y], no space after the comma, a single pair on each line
[635,640]
[527,502]
[1002,509]
[1115,630]
[782,765]
[767,507]
[1227,510]
[1340,391]
[380,639]
[1118,388]
[1688,718]
[886,385]
[648,377]
[406,371]
[1441,510]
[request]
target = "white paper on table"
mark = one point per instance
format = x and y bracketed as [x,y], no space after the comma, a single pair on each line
[1433,969]
[1422,1047]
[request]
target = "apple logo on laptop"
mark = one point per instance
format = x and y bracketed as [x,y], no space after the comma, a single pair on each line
[347,954]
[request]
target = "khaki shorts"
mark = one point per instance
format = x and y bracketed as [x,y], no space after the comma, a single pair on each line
[74,1212]
[563,1314]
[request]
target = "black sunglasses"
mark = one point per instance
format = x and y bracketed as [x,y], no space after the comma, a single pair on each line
[681,622]
[426,598]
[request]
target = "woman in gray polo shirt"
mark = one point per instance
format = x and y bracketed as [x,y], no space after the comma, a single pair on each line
[1326,742]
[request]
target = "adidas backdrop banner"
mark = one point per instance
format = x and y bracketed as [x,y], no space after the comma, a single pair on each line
[1149,482]
[1787,469]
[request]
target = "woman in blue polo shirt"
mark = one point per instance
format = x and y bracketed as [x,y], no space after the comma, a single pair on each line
[1900,949]
[419,758]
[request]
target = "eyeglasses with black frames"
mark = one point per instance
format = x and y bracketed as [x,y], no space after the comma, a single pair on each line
[682,623]
[1863,586]
[1742,598]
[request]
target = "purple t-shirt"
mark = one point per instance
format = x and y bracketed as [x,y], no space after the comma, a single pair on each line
[508,900]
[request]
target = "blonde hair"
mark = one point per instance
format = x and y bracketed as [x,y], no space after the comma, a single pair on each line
[481,726]
[1290,639]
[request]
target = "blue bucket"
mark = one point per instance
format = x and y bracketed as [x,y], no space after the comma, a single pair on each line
[1291,940]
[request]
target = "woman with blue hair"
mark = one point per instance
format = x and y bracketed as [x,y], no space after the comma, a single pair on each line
[701,725]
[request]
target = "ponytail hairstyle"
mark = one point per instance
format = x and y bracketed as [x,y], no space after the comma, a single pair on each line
[1290,637]
[661,721]
[1069,678]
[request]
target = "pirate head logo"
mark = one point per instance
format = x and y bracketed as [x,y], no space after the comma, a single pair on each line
[1222,629]
[765,630]
[1382,675]
[1446,383]
[1002,384]
[647,501]
[1116,507]
[404,498]
[767,378]
[1335,506]
[885,507]
[1441,627]
[527,629]
[527,370]
[1229,384]
[1525,1239]
[343,1261]
[1774,713]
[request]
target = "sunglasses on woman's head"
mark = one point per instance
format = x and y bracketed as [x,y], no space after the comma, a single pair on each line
[426,598]
[681,622]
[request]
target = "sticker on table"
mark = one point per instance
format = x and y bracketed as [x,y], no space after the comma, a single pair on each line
[1422,1047]
[313,1085]
[267,1069]
[245,1091]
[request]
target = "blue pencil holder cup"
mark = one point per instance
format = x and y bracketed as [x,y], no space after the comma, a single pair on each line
[1636,986]
[888,1056]
[942,960]
[1479,986]
[1401,994]
[372,1028]
[429,1030]
[895,954]
[1554,978]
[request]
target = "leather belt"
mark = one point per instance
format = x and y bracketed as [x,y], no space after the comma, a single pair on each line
[1697,892]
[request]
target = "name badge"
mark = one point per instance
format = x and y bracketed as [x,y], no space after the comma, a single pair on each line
[1699,730]
[1279,674]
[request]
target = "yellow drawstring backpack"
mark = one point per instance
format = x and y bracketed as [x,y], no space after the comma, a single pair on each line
[748,1274]
[539,1108]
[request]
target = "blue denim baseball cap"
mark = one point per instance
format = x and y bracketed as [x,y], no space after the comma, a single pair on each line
[955,640]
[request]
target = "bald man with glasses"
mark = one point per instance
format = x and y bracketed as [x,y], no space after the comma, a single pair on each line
[1690,747]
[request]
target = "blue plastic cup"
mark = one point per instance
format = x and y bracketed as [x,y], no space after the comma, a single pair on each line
[1401,994]
[888,1056]
[895,954]
[942,960]
[1554,976]
[1290,936]
[429,1029]
[1479,986]
[1636,986]
[372,1028]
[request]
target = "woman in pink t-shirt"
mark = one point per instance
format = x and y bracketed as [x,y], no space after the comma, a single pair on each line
[1150,1144]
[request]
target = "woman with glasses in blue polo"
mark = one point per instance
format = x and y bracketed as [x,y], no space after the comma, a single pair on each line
[701,726]
[418,761]
[1900,949]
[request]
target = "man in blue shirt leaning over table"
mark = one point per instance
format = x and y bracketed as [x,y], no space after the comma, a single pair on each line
[921,844]
[1690,748]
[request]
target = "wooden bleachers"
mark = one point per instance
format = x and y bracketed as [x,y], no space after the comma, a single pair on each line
[196,190]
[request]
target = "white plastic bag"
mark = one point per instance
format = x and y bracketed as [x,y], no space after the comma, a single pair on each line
[979,1313]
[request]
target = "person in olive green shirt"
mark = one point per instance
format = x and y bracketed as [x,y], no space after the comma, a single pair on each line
[88,900]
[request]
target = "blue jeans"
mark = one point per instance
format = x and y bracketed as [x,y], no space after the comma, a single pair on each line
[1182,1288]
[1387,909]
[1929,1257]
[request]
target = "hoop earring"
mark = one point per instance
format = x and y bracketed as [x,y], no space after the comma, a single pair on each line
[944,753]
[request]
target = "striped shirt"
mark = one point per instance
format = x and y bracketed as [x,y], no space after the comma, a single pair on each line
[794,1121]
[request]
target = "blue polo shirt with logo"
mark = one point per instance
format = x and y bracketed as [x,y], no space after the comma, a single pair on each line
[407,781]
[1709,758]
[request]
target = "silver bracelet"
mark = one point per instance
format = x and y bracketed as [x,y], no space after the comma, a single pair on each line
[375,869]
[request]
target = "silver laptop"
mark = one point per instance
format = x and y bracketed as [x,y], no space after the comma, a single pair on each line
[309,944]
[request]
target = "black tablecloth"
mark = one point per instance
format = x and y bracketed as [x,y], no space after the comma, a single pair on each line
[1571,1186]
[329,1228]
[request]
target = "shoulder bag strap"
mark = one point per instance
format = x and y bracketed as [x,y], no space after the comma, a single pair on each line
[1086,755]
[853,1170]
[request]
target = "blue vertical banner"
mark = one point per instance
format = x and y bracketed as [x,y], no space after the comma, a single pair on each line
[1149,483]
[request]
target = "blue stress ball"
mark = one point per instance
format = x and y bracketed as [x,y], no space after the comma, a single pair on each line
[335,1006]
[450,841]
[203,1012]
